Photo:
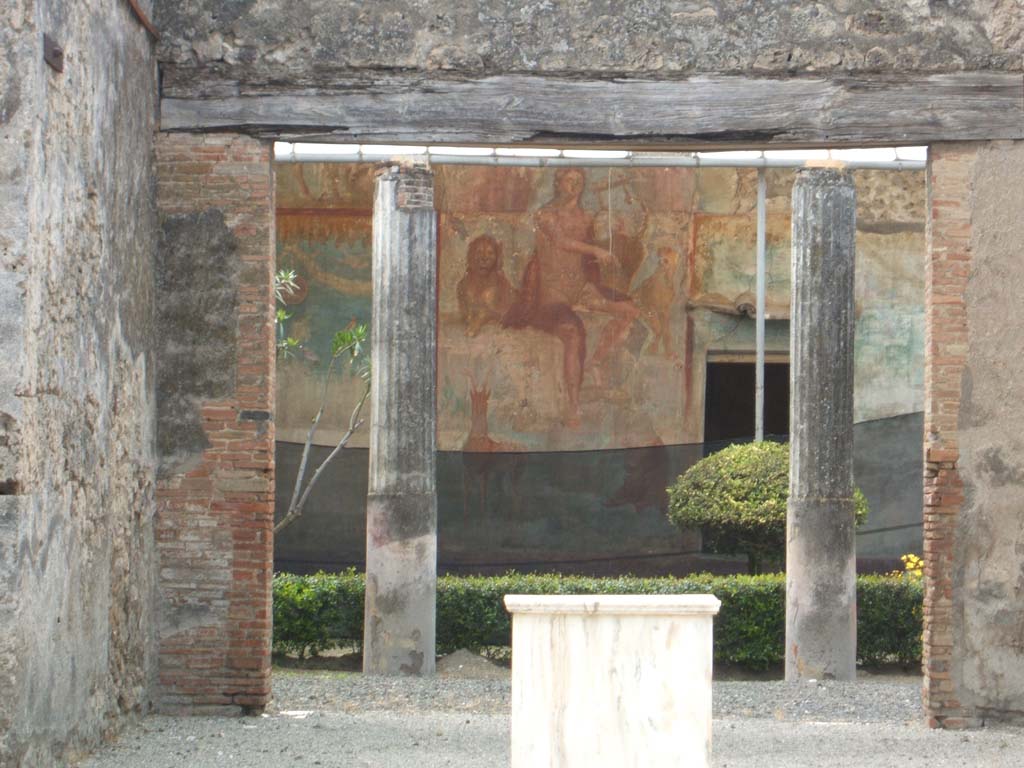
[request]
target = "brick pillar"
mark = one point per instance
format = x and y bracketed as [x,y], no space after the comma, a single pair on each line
[947,269]
[821,563]
[401,504]
[215,430]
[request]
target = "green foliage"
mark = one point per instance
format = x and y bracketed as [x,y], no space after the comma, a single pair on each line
[737,497]
[890,616]
[317,613]
[288,346]
[314,613]
[349,340]
[284,283]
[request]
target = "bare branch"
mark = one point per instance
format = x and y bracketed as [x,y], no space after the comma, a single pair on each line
[296,507]
[313,427]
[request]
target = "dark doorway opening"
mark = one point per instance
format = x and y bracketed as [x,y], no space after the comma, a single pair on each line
[729,401]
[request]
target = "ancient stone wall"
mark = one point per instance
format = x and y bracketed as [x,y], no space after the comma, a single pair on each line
[225,48]
[215,431]
[77,233]
[974,544]
[246,41]
[974,599]
[947,266]
[988,551]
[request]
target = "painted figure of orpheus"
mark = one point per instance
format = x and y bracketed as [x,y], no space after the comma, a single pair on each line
[564,276]
[484,293]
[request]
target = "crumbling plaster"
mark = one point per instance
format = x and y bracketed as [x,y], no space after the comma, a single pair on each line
[245,41]
[197,303]
[77,235]
[988,599]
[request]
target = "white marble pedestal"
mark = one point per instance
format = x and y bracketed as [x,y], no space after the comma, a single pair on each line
[611,680]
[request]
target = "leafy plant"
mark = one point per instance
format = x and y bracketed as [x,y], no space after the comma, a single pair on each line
[317,613]
[890,618]
[737,497]
[322,611]
[348,347]
[284,284]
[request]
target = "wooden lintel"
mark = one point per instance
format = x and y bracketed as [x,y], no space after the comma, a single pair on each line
[683,114]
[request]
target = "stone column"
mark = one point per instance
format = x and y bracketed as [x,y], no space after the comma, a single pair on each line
[401,503]
[821,597]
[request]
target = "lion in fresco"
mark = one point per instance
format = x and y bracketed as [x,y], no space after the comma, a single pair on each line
[484,293]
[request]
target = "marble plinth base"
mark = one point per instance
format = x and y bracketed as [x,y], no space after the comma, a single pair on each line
[611,680]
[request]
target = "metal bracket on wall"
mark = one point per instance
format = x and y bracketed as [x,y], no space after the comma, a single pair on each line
[53,54]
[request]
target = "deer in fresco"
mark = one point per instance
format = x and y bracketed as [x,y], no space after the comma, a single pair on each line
[656,296]
[478,459]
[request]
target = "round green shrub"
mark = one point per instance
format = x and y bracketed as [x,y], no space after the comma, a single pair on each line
[737,497]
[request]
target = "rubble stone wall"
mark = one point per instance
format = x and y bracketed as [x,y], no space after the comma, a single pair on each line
[246,41]
[77,465]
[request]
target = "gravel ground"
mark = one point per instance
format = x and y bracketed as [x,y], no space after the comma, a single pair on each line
[875,700]
[342,720]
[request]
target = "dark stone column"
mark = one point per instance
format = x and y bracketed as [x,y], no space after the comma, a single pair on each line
[401,504]
[821,597]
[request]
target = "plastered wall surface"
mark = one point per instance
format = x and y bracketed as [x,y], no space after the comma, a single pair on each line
[988,548]
[524,479]
[682,257]
[77,235]
[245,40]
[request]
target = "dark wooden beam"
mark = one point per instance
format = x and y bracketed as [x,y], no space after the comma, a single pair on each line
[691,113]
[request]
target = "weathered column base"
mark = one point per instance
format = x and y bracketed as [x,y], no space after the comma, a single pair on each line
[821,590]
[401,577]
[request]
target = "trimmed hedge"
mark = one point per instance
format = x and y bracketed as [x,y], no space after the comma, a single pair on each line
[316,613]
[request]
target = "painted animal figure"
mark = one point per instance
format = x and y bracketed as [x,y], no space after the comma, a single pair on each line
[479,440]
[479,452]
[656,295]
[484,293]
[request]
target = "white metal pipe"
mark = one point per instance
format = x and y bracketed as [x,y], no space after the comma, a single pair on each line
[645,160]
[762,223]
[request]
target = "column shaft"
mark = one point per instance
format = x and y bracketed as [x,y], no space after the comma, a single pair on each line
[401,504]
[821,600]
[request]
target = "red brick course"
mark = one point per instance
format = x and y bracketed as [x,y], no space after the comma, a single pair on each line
[947,267]
[215,520]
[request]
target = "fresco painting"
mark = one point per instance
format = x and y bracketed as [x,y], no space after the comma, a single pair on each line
[577,308]
[324,233]
[583,301]
[566,303]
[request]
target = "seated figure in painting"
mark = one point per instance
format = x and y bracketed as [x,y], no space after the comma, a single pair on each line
[484,293]
[564,276]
